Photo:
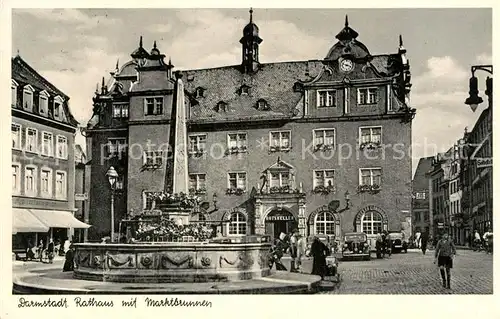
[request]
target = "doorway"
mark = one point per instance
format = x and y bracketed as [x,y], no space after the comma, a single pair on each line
[279,221]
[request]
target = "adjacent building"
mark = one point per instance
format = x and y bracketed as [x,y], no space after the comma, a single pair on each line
[320,145]
[477,177]
[421,213]
[43,159]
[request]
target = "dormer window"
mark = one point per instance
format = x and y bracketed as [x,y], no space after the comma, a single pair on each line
[13,87]
[43,104]
[221,107]
[262,105]
[57,106]
[28,97]
[244,90]
[199,92]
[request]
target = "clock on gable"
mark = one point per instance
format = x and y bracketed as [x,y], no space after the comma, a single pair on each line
[346,65]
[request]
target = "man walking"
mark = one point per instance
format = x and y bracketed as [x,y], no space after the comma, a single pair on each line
[293,250]
[423,242]
[445,250]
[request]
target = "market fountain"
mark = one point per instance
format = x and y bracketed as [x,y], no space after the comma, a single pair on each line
[164,247]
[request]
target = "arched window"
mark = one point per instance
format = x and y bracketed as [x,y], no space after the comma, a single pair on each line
[371,223]
[237,224]
[324,224]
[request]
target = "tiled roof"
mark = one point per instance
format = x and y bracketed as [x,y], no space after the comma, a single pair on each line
[24,74]
[273,83]
[420,180]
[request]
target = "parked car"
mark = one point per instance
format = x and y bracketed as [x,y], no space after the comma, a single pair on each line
[356,246]
[399,242]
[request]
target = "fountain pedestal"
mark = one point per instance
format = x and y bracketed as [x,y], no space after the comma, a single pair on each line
[174,262]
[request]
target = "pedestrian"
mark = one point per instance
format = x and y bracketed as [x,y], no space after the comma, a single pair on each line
[293,250]
[388,243]
[68,262]
[423,242]
[319,251]
[50,250]
[445,250]
[488,240]
[477,240]
[379,245]
[301,251]
[418,237]
[67,243]
[40,250]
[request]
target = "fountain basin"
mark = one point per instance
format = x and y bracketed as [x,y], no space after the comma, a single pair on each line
[224,260]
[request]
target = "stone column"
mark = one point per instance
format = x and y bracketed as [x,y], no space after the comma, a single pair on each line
[302,217]
[180,176]
[259,223]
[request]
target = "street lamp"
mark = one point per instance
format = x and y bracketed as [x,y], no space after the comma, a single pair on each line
[474,99]
[112,177]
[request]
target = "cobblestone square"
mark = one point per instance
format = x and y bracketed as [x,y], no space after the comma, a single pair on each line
[414,273]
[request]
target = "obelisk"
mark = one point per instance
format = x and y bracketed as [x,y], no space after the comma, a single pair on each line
[180,171]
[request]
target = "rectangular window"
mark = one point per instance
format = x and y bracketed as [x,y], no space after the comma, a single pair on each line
[279,179]
[120,110]
[153,106]
[326,98]
[370,176]
[280,140]
[30,181]
[323,178]
[46,182]
[237,140]
[237,181]
[16,179]
[57,109]
[16,136]
[367,96]
[197,183]
[14,94]
[62,147]
[27,99]
[197,143]
[370,135]
[324,137]
[61,185]
[47,144]
[153,159]
[44,105]
[117,147]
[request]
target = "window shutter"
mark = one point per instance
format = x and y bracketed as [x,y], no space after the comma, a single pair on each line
[145,106]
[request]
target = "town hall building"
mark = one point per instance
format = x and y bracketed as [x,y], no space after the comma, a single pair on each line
[322,146]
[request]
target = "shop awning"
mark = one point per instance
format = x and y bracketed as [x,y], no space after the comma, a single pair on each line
[23,221]
[58,218]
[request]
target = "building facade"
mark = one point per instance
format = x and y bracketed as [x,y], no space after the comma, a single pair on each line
[320,145]
[421,213]
[477,177]
[43,159]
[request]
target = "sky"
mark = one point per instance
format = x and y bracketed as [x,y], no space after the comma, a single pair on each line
[75,48]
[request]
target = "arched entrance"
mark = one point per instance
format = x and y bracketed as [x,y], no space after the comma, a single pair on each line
[279,221]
